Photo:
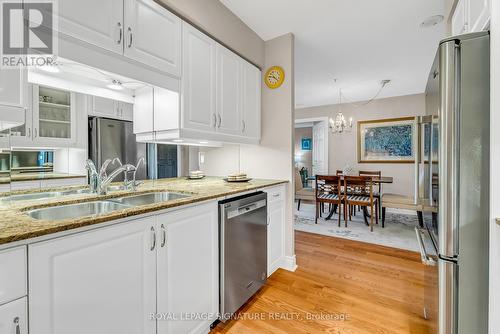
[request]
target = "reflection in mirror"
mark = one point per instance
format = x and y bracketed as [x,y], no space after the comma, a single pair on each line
[4,156]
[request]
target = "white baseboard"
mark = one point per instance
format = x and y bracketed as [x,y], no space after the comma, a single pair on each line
[402,211]
[289,263]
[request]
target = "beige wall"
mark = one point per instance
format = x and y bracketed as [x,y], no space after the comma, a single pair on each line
[304,156]
[273,158]
[215,19]
[343,148]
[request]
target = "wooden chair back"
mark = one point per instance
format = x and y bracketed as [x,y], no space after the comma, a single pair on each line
[340,172]
[376,173]
[327,185]
[359,185]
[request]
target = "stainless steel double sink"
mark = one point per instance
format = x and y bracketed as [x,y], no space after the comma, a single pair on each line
[101,207]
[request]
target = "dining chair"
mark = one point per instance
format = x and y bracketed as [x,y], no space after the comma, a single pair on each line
[340,172]
[360,193]
[377,194]
[328,192]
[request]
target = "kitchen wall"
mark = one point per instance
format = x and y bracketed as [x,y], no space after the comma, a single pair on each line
[303,158]
[273,158]
[216,20]
[494,168]
[343,148]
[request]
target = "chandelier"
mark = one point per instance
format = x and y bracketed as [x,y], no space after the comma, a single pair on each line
[340,125]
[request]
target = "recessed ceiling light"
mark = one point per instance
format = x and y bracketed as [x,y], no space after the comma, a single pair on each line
[50,68]
[115,85]
[177,140]
[431,21]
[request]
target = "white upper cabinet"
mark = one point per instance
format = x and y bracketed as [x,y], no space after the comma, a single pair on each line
[105,107]
[198,80]
[100,281]
[228,102]
[13,86]
[102,106]
[153,36]
[141,30]
[98,22]
[251,100]
[470,16]
[459,20]
[479,14]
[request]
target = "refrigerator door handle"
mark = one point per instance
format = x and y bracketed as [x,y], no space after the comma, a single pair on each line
[449,54]
[426,259]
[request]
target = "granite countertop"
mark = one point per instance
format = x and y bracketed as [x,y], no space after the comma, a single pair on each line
[15,225]
[43,176]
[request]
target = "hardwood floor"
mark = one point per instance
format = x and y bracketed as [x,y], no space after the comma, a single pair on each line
[376,289]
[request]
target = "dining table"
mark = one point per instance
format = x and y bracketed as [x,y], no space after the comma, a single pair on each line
[375,179]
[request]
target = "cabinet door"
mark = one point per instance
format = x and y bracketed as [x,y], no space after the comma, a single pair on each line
[126,111]
[275,235]
[459,20]
[479,14]
[198,80]
[54,117]
[101,281]
[228,92]
[153,36]
[14,317]
[251,107]
[188,281]
[98,22]
[13,84]
[143,110]
[22,136]
[102,106]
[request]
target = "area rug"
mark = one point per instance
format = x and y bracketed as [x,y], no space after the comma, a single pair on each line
[399,231]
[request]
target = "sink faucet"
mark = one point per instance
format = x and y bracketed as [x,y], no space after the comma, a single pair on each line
[93,175]
[103,183]
[99,181]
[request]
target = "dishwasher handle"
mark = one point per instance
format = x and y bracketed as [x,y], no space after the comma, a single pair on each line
[246,209]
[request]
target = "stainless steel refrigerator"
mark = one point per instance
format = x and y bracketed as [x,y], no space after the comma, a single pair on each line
[109,139]
[455,156]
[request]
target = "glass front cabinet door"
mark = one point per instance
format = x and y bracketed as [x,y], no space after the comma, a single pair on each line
[54,121]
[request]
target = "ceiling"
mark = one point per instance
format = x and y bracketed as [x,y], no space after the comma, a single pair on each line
[357,42]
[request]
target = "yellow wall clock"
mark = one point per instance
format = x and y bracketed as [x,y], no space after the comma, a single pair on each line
[274,77]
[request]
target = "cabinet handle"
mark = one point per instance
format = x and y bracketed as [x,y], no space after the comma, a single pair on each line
[220,120]
[215,120]
[276,195]
[119,41]
[153,233]
[131,38]
[268,220]
[16,322]
[29,132]
[244,126]
[35,133]
[164,236]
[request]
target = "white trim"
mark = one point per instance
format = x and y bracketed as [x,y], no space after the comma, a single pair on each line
[289,263]
[402,211]
[325,121]
[311,120]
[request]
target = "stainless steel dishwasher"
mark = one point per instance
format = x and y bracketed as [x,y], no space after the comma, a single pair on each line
[243,250]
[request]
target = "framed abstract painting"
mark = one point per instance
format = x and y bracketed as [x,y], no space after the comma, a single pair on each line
[390,140]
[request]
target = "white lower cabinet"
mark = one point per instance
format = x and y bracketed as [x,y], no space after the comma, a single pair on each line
[151,275]
[275,228]
[101,281]
[14,317]
[188,270]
